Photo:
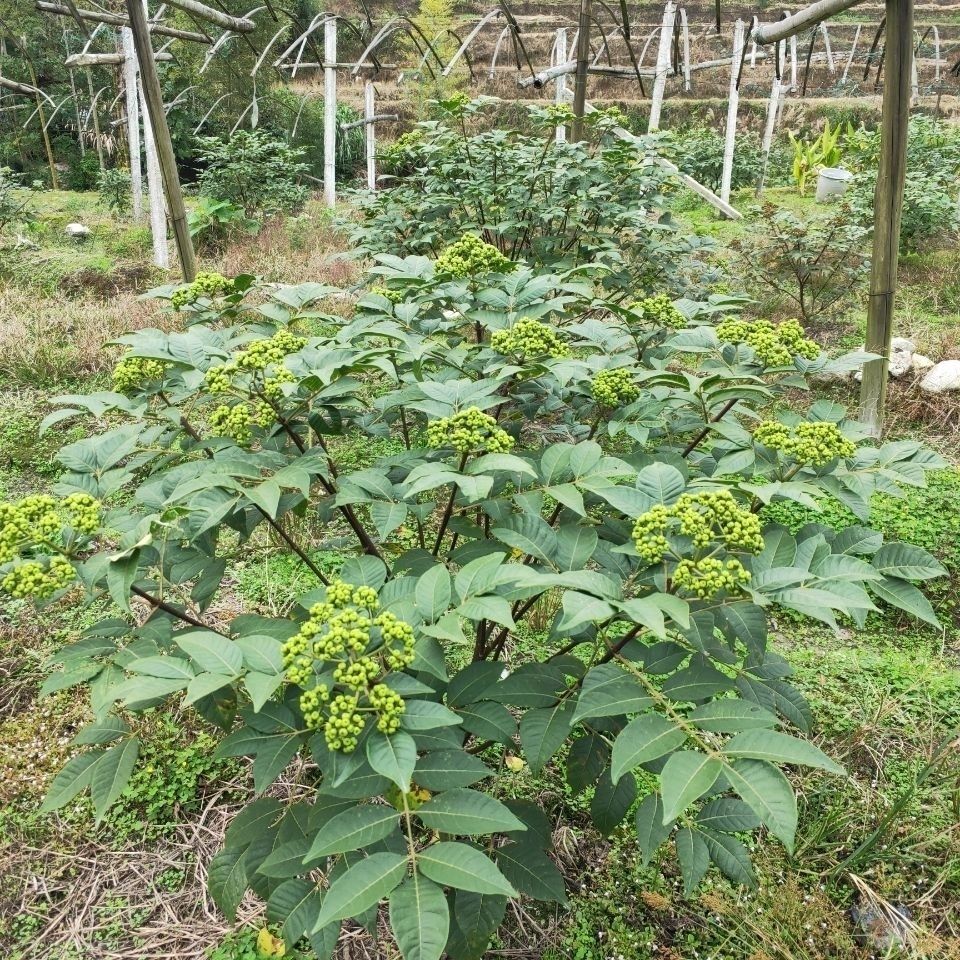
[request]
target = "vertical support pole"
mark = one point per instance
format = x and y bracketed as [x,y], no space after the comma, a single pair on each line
[130,71]
[663,66]
[793,62]
[153,97]
[936,53]
[560,84]
[580,80]
[330,111]
[733,105]
[370,134]
[773,106]
[158,212]
[686,49]
[96,119]
[914,80]
[887,208]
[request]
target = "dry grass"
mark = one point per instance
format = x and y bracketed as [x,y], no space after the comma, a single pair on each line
[58,339]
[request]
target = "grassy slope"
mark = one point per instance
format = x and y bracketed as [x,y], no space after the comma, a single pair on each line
[885,698]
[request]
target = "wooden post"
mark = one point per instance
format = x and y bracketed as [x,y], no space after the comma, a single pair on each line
[887,207]
[370,134]
[733,105]
[831,66]
[663,66]
[853,50]
[133,120]
[158,213]
[330,111]
[560,84]
[580,80]
[153,97]
[96,119]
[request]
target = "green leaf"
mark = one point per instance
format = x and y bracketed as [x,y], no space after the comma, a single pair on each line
[352,829]
[467,812]
[492,721]
[611,801]
[779,748]
[608,691]
[727,814]
[427,715]
[203,684]
[651,830]
[448,769]
[532,872]
[581,608]
[646,738]
[103,730]
[227,879]
[586,760]
[905,596]
[694,857]
[476,916]
[286,860]
[168,668]
[273,755]
[433,593]
[731,856]
[211,652]
[393,756]
[472,682]
[73,778]
[294,905]
[361,887]
[769,794]
[110,774]
[685,777]
[261,686]
[907,562]
[661,482]
[531,535]
[419,918]
[387,516]
[731,715]
[463,867]
[543,731]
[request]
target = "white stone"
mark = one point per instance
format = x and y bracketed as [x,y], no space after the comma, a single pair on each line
[77,231]
[901,358]
[902,345]
[942,377]
[922,364]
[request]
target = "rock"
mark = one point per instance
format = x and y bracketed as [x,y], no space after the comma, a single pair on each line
[922,364]
[76,231]
[942,377]
[901,358]
[883,929]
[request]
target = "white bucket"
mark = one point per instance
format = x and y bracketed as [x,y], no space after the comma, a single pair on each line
[831,182]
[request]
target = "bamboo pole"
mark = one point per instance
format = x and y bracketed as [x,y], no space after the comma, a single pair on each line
[583,63]
[153,96]
[663,66]
[115,20]
[130,70]
[733,105]
[158,213]
[560,85]
[887,209]
[370,134]
[330,111]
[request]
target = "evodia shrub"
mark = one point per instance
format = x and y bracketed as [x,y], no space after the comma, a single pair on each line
[555,450]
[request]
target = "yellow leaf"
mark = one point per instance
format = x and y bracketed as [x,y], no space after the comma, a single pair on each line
[514,763]
[270,946]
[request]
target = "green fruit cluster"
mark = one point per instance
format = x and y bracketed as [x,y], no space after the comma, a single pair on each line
[471,257]
[134,373]
[614,388]
[34,579]
[706,577]
[558,114]
[469,431]
[344,725]
[346,632]
[394,296]
[529,338]
[774,344]
[705,518]
[40,520]
[814,443]
[255,360]
[237,421]
[661,312]
[206,284]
